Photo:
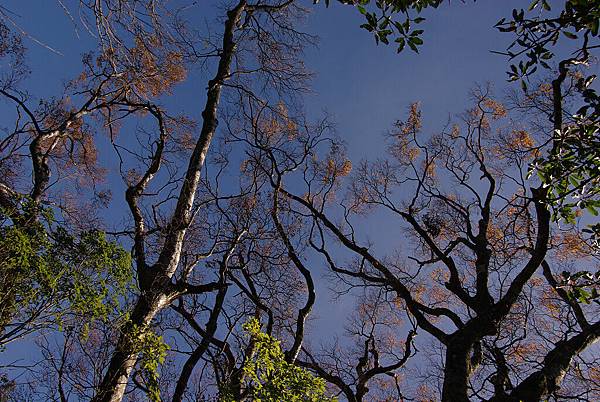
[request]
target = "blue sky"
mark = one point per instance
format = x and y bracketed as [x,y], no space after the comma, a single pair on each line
[367,87]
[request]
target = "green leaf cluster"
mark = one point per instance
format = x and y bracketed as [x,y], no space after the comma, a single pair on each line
[537,31]
[48,270]
[571,170]
[152,350]
[393,20]
[582,286]
[270,378]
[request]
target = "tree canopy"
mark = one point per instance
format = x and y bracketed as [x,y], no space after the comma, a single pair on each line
[150,252]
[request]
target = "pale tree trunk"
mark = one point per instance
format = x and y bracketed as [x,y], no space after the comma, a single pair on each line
[125,355]
[155,281]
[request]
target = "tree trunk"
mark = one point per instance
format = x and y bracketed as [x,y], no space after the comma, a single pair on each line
[544,382]
[125,355]
[457,370]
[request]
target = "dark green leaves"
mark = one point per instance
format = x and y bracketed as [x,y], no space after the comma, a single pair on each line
[392,20]
[536,31]
[582,286]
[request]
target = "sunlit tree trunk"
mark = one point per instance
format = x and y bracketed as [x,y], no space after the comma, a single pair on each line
[155,281]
